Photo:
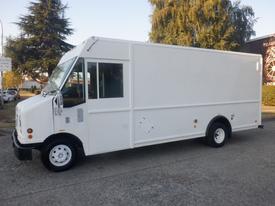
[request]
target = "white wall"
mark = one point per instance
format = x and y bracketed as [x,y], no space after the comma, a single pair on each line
[28,84]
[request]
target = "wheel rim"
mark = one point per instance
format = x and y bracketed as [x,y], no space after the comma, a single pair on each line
[219,135]
[60,155]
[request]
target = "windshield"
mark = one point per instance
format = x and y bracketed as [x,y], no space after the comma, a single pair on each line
[58,75]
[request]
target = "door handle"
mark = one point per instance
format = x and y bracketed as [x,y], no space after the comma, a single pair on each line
[80,115]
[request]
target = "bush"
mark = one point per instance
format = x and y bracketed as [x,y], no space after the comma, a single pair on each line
[268,98]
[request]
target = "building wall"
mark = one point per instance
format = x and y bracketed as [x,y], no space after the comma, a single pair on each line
[28,84]
[266,47]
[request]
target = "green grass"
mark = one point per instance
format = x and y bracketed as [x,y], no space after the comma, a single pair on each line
[7,115]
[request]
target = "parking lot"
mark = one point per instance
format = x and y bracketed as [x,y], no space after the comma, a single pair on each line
[181,173]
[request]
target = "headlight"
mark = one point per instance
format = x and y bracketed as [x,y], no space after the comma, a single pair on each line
[18,123]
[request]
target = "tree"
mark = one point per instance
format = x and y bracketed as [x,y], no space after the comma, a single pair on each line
[37,50]
[11,79]
[217,24]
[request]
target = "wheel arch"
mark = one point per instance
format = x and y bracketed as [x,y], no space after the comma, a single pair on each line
[74,139]
[221,119]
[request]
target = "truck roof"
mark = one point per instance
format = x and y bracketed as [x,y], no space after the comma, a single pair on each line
[90,42]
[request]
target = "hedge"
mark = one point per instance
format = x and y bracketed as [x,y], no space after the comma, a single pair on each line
[268,95]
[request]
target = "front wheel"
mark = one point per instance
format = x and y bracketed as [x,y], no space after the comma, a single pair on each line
[217,135]
[58,155]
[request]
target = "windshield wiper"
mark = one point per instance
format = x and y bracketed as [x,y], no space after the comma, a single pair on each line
[52,91]
[44,93]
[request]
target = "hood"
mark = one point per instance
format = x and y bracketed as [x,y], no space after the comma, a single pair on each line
[35,113]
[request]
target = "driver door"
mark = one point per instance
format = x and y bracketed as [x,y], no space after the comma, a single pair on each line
[73,117]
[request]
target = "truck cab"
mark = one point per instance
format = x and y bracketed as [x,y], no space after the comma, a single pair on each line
[79,87]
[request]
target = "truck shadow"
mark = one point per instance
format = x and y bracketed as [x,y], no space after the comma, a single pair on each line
[163,152]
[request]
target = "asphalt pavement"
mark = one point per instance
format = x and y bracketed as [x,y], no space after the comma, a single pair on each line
[181,173]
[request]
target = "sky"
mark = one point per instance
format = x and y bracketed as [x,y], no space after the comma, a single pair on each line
[123,19]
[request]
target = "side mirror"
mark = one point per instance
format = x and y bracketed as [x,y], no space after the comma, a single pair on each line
[59,102]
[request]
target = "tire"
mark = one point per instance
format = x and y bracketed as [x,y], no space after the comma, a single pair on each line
[217,134]
[58,155]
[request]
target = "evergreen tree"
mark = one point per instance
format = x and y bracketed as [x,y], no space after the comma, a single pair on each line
[42,41]
[216,24]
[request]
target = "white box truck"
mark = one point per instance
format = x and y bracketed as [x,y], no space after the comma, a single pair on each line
[107,95]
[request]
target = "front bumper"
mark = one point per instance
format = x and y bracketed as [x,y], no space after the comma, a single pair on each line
[21,151]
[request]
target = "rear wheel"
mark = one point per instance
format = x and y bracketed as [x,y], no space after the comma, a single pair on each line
[217,134]
[58,155]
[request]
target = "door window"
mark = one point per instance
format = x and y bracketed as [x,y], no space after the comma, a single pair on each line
[74,90]
[92,80]
[110,80]
[105,80]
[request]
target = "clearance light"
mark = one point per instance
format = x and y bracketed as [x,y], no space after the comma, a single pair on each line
[29,130]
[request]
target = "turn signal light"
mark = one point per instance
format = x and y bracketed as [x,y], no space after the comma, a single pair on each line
[29,130]
[30,136]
